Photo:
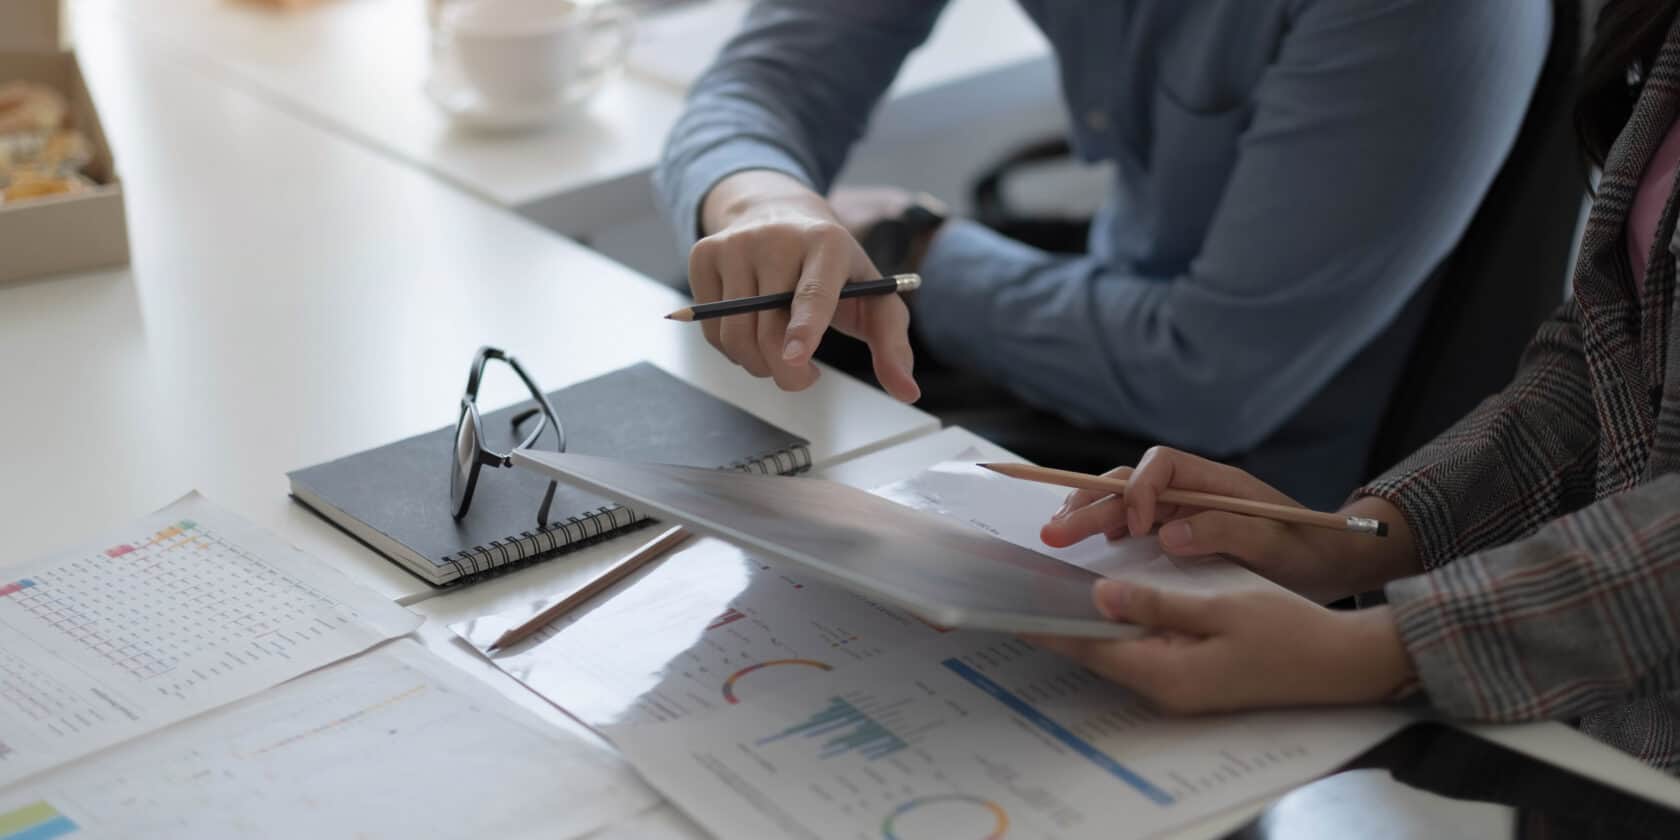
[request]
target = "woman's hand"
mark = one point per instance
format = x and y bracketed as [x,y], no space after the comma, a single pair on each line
[770,234]
[1322,564]
[1249,650]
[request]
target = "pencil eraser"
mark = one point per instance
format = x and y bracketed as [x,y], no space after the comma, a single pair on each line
[1382,529]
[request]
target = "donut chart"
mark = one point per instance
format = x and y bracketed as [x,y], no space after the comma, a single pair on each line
[999,817]
[729,684]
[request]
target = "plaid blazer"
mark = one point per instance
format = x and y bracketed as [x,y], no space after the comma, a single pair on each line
[1548,520]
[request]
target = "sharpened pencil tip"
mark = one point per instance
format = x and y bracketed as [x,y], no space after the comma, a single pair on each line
[684,315]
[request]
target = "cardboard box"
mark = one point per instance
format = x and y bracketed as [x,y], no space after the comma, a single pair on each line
[30,26]
[80,232]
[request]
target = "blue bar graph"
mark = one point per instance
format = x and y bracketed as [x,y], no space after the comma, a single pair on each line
[848,730]
[1059,732]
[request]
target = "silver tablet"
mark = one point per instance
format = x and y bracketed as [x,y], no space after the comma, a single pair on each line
[950,574]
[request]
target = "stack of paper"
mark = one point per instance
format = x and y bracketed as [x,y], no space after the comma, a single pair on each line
[187,610]
[391,744]
[115,651]
[764,703]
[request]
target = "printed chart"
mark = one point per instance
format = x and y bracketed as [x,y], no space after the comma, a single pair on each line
[981,732]
[188,610]
[710,627]
[952,814]
[359,749]
[729,695]
[38,820]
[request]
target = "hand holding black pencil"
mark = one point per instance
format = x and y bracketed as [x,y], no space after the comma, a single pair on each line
[739,306]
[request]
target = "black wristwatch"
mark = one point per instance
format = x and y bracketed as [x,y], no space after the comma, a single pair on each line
[896,245]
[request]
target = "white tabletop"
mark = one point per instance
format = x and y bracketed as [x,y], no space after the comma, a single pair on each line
[359,66]
[296,297]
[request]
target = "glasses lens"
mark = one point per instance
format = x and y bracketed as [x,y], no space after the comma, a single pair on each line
[466,458]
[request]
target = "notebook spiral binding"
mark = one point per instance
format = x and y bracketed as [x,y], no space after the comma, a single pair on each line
[502,556]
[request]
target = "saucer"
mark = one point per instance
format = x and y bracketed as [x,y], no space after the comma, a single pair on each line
[472,109]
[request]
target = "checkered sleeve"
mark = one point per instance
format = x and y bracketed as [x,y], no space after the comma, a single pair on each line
[1580,616]
[1522,458]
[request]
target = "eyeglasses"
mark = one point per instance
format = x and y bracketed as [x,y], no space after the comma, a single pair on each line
[471,455]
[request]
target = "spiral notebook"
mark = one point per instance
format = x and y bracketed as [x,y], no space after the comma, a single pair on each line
[396,498]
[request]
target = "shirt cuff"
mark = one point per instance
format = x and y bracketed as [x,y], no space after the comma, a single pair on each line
[961,271]
[1421,503]
[684,188]
[1421,606]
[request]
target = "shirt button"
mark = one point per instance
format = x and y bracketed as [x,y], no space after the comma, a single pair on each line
[1096,119]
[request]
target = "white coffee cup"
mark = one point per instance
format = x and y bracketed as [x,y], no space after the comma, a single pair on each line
[536,52]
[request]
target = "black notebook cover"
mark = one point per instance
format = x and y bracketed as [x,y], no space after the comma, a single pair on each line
[396,497]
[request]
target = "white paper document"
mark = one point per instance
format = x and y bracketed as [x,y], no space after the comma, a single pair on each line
[185,610]
[712,624]
[979,735]
[391,744]
[706,628]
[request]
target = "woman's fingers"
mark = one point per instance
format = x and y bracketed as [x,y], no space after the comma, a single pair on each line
[1161,668]
[1107,516]
[1158,609]
[1164,468]
[1217,532]
[1082,498]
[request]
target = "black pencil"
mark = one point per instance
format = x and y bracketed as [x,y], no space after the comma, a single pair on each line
[883,286]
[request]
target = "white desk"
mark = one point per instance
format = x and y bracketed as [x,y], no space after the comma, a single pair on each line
[357,66]
[292,298]
[296,297]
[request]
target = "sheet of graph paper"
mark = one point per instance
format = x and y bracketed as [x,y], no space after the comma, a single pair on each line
[183,611]
[979,735]
[394,743]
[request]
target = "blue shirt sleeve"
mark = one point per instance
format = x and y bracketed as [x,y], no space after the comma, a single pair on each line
[1373,138]
[791,92]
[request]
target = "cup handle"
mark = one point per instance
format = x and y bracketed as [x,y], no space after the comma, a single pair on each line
[617,26]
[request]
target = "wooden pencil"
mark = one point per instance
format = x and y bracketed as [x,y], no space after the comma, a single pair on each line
[620,570]
[884,286]
[1192,498]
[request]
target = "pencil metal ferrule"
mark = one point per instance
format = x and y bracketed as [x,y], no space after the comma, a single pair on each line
[908,282]
[1366,525]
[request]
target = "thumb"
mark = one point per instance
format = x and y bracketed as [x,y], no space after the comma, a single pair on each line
[1159,609]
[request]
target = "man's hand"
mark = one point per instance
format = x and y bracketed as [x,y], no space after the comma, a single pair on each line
[1262,649]
[768,234]
[861,208]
